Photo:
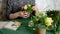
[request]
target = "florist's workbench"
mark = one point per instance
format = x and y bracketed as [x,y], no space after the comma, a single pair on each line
[21,29]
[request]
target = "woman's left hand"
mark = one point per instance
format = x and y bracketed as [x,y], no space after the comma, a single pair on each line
[35,8]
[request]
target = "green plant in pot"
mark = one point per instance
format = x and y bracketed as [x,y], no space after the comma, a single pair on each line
[40,22]
[43,22]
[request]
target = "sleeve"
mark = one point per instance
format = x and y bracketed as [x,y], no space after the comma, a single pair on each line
[9,8]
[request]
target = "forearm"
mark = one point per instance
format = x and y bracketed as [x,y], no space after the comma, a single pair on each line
[13,16]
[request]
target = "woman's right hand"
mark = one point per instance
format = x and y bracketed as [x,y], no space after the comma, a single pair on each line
[24,14]
[19,14]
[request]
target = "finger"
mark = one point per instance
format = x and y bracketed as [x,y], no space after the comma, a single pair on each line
[26,12]
[25,7]
[28,15]
[25,16]
[21,14]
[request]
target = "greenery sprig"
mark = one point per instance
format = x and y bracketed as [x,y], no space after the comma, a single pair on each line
[29,9]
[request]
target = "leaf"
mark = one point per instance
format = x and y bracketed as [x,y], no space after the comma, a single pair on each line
[29,9]
[41,26]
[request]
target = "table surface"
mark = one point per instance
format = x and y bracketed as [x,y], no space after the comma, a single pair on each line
[21,29]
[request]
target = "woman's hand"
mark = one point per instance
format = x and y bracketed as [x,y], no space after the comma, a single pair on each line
[35,8]
[13,15]
[24,14]
[24,7]
[19,14]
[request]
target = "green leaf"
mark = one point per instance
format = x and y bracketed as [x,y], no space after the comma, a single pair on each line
[41,26]
[29,9]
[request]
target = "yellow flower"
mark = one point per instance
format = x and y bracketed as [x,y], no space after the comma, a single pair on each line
[48,21]
[16,22]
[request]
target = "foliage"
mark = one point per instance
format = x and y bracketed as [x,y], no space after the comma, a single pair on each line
[29,9]
[56,17]
[41,20]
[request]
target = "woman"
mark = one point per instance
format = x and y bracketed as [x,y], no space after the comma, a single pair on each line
[14,5]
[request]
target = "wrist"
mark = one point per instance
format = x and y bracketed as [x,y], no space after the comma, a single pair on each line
[16,15]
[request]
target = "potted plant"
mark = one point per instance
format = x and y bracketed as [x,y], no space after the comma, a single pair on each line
[43,23]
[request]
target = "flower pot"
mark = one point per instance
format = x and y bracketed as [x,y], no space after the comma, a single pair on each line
[41,31]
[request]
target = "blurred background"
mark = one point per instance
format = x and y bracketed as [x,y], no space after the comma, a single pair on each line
[2,9]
